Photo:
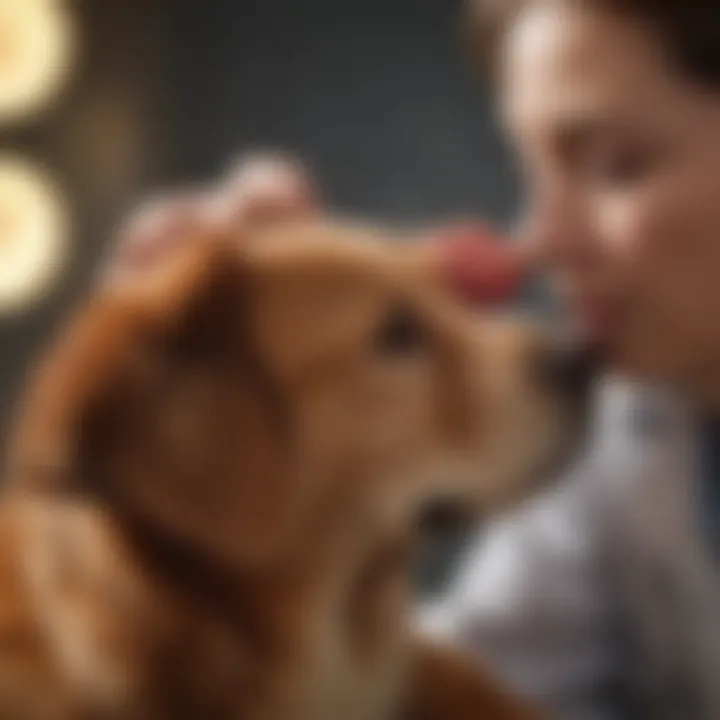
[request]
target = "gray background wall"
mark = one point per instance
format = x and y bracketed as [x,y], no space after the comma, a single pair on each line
[374,95]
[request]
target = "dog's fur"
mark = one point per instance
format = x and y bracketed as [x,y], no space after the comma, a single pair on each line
[216,477]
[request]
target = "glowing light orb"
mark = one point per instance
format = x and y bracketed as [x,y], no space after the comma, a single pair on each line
[37,48]
[33,234]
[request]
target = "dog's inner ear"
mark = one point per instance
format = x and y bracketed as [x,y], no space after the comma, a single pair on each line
[190,434]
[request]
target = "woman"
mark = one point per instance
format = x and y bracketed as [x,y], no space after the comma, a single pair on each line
[604,595]
[607,592]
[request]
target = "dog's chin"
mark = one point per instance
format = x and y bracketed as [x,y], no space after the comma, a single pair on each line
[443,515]
[445,525]
[557,463]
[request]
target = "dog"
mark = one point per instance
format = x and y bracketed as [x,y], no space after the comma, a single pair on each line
[217,474]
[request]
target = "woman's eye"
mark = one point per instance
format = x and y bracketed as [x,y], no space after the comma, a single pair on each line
[402,333]
[620,168]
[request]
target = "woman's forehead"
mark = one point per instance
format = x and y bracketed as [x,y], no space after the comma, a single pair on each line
[564,63]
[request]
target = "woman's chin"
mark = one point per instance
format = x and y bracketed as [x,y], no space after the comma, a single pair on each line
[642,363]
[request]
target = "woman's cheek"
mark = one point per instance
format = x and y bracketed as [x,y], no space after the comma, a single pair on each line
[662,257]
[627,232]
[637,241]
[647,233]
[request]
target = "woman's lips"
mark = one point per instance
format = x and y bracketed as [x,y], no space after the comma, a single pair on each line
[598,318]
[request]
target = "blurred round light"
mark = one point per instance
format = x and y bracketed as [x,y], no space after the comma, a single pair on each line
[33,233]
[37,45]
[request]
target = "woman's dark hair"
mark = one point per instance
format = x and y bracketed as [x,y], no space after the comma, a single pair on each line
[689,29]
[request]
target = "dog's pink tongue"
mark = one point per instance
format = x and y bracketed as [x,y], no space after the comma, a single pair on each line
[478,264]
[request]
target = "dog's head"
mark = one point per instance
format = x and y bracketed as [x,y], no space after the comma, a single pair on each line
[248,385]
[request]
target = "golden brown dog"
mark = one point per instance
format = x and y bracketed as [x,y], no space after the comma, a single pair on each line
[216,479]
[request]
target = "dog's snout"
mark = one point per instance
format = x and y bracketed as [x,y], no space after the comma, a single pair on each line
[568,368]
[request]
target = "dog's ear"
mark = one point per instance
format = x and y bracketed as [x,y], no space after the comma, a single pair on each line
[166,411]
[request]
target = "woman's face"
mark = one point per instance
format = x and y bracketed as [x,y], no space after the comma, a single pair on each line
[622,156]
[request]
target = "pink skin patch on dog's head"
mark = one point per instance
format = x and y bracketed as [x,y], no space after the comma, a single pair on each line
[481,266]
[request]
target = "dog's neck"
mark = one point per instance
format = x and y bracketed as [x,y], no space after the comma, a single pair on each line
[345,579]
[200,614]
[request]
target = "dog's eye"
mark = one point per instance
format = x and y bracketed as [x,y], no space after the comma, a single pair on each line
[402,333]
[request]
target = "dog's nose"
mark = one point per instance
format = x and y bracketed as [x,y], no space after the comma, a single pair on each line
[568,367]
